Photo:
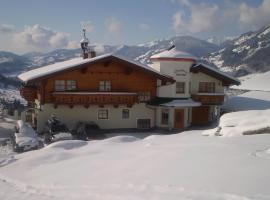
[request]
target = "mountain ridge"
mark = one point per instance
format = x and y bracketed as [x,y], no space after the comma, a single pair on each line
[140,53]
[246,54]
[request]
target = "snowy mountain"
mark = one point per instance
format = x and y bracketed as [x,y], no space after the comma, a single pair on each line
[8,82]
[219,40]
[246,54]
[143,52]
[12,63]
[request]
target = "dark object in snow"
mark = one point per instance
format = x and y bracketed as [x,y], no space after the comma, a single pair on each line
[56,130]
[87,130]
[54,125]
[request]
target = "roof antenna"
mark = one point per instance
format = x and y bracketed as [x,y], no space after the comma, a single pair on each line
[84,45]
[86,51]
[172,46]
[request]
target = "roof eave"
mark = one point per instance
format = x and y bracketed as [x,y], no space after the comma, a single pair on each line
[226,80]
[102,59]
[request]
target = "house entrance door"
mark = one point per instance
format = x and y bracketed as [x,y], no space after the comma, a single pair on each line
[179,118]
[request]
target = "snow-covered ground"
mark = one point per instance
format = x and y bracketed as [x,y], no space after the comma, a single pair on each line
[180,166]
[253,100]
[255,82]
[242,123]
[257,96]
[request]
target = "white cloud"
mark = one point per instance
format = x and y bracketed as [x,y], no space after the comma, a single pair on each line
[201,18]
[73,45]
[178,22]
[39,38]
[6,28]
[87,25]
[113,25]
[255,16]
[59,40]
[144,26]
[99,48]
[231,16]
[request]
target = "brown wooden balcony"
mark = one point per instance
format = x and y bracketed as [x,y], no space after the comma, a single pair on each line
[94,98]
[209,98]
[28,93]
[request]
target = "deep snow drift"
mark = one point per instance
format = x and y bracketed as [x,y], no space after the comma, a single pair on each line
[242,123]
[180,166]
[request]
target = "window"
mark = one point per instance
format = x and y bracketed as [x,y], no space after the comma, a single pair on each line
[59,85]
[180,87]
[165,116]
[207,87]
[143,123]
[71,85]
[144,96]
[125,114]
[105,86]
[103,114]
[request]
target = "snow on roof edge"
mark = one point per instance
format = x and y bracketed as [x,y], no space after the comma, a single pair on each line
[68,64]
[218,71]
[141,65]
[173,53]
[56,67]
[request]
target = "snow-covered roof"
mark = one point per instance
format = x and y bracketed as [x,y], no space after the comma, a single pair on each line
[182,103]
[73,63]
[215,72]
[174,53]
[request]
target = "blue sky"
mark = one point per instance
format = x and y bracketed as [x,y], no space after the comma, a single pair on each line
[36,25]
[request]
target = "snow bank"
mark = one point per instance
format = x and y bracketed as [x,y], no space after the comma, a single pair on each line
[121,139]
[67,145]
[242,123]
[62,136]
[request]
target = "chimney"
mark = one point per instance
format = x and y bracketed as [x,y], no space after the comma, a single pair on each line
[86,51]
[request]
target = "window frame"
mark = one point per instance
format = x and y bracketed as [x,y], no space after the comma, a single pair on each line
[123,113]
[207,87]
[144,127]
[105,86]
[57,85]
[101,115]
[71,87]
[182,88]
[167,112]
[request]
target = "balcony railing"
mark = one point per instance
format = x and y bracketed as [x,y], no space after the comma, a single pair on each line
[94,98]
[209,98]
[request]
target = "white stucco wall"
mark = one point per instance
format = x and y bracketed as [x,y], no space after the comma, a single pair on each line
[201,77]
[70,116]
[179,70]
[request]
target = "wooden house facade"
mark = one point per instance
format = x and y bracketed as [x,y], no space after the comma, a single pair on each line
[114,92]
